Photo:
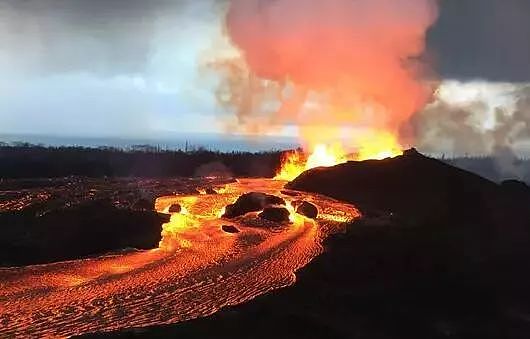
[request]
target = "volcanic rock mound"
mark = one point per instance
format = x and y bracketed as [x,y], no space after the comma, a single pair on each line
[175,208]
[210,190]
[410,185]
[290,193]
[85,229]
[230,229]
[420,191]
[307,209]
[275,214]
[251,202]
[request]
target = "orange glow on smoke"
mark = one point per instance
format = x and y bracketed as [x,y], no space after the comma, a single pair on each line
[342,72]
[376,145]
[332,65]
[325,156]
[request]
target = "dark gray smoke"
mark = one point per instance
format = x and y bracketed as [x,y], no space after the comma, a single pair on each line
[103,37]
[483,39]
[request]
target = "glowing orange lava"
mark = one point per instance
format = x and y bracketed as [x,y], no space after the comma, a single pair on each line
[375,145]
[198,269]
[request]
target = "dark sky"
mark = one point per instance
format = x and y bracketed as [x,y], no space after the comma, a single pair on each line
[487,39]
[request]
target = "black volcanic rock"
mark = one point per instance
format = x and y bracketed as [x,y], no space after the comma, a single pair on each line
[516,188]
[290,193]
[210,190]
[175,208]
[420,191]
[230,229]
[275,213]
[144,205]
[412,185]
[307,209]
[251,202]
[86,229]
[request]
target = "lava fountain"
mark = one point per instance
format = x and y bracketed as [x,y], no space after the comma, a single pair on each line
[347,75]
[378,146]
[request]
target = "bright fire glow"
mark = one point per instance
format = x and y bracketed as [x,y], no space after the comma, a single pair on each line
[179,225]
[321,156]
[377,146]
[325,156]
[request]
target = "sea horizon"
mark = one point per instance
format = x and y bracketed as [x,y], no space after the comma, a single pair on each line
[211,142]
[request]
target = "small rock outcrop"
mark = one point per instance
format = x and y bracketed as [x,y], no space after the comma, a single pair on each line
[175,208]
[251,202]
[210,190]
[230,229]
[290,193]
[411,152]
[275,213]
[307,209]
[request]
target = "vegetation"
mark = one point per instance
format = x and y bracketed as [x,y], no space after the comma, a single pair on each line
[22,160]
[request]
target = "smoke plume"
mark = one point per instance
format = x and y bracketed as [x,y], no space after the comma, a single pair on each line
[326,66]
[478,127]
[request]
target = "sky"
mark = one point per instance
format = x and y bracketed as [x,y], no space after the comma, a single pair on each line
[135,68]
[106,68]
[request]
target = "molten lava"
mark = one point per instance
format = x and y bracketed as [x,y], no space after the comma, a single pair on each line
[376,145]
[198,269]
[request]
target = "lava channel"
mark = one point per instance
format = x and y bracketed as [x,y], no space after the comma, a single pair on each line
[198,269]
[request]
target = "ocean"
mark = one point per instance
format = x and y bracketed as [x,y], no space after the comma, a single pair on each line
[213,142]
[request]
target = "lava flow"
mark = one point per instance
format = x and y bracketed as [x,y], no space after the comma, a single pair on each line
[198,269]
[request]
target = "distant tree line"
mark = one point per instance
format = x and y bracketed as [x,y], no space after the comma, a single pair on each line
[23,160]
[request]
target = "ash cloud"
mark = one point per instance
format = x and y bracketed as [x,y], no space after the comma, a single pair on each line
[463,129]
[327,61]
[462,124]
[481,42]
